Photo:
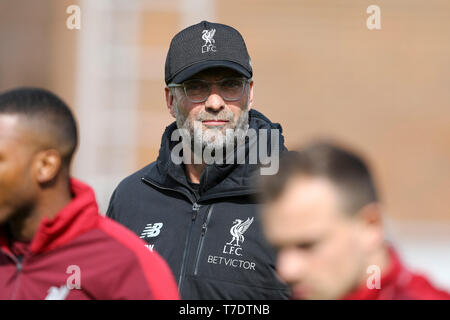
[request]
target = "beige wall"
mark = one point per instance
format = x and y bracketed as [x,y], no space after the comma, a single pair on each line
[36,48]
[318,71]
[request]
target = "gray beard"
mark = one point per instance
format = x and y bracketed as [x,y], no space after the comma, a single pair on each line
[214,138]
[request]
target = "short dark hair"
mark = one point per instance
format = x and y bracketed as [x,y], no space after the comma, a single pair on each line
[50,112]
[345,169]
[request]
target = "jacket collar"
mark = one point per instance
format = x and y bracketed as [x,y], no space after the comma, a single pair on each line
[217,180]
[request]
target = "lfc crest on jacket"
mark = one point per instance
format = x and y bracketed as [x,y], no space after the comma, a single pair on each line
[237,231]
[233,249]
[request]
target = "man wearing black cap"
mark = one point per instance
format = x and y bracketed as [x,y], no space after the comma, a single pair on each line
[201,215]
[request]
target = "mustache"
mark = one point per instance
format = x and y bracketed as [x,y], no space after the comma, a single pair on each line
[224,116]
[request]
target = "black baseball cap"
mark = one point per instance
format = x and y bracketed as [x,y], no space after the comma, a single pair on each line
[206,45]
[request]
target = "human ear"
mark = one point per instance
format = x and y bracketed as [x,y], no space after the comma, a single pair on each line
[250,95]
[47,165]
[371,225]
[170,99]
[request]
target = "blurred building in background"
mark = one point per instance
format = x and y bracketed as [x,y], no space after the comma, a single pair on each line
[318,71]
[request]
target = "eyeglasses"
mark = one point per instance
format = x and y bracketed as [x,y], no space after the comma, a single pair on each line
[197,90]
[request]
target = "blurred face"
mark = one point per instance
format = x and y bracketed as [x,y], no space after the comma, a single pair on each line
[321,248]
[16,156]
[208,121]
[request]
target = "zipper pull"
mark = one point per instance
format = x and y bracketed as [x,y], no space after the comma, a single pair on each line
[205,222]
[195,208]
[203,229]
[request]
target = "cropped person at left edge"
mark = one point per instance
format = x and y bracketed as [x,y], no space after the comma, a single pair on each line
[53,243]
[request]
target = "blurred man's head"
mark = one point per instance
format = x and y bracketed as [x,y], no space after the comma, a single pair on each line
[38,137]
[323,217]
[209,87]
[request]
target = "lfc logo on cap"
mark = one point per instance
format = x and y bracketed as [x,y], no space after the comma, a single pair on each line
[208,36]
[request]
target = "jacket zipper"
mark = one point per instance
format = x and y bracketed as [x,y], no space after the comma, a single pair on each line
[195,208]
[202,239]
[19,266]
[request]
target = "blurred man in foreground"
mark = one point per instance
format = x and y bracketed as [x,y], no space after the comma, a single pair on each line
[323,215]
[53,243]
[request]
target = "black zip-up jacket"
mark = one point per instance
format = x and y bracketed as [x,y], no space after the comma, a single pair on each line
[212,239]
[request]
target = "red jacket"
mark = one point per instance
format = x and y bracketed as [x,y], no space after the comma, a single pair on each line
[398,283]
[81,255]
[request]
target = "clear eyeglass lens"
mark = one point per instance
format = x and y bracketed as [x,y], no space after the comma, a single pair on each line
[229,89]
[196,90]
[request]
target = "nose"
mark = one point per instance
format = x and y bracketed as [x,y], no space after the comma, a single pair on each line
[215,102]
[291,265]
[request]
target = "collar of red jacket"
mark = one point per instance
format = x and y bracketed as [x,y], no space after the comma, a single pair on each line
[77,217]
[391,278]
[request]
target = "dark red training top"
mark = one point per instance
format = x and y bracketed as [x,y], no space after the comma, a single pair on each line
[80,254]
[399,283]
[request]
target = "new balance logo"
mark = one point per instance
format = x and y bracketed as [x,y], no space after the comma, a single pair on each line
[151,230]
